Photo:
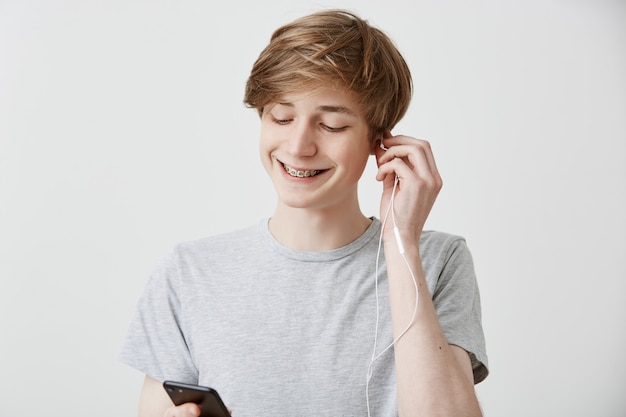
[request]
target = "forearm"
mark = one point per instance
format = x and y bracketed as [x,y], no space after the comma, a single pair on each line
[153,401]
[431,380]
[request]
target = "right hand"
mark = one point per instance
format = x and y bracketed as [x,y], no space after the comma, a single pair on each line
[154,402]
[183,410]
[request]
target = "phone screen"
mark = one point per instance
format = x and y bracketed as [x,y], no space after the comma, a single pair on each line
[207,398]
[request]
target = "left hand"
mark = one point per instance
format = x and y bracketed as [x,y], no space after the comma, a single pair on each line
[413,162]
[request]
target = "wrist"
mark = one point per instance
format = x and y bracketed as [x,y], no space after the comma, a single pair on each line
[404,243]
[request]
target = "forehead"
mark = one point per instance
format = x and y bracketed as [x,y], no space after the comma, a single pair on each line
[324,100]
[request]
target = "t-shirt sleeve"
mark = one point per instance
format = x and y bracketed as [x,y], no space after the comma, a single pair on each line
[155,343]
[457,301]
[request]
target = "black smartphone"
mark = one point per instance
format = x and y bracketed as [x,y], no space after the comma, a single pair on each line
[207,398]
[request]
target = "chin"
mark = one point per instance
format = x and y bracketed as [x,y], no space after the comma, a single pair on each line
[296,203]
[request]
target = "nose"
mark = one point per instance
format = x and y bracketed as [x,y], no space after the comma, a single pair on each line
[302,140]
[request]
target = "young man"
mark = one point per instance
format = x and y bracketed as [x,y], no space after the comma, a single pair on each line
[305,313]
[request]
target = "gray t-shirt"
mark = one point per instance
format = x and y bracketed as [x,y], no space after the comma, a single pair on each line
[283,332]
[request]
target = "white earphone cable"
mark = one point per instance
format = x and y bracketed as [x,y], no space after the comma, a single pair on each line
[390,209]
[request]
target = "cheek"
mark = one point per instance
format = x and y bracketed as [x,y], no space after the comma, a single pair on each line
[355,161]
[268,134]
[265,141]
[265,151]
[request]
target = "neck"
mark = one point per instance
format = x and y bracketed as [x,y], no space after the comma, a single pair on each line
[317,230]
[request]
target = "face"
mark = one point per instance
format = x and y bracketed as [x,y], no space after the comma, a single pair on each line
[315,148]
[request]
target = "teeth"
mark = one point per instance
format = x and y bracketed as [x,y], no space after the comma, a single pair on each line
[300,174]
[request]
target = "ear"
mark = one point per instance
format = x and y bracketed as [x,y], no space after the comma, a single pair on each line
[374,144]
[378,142]
[375,141]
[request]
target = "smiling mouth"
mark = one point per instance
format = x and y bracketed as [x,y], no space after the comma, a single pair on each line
[301,174]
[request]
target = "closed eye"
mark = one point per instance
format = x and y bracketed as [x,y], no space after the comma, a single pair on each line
[333,129]
[280,121]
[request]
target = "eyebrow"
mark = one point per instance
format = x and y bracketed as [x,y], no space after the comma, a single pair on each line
[328,108]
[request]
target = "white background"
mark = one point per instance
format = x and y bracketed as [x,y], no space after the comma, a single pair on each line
[122,132]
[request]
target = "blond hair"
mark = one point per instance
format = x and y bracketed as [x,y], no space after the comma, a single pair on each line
[334,48]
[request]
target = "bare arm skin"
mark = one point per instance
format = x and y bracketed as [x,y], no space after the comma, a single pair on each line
[154,402]
[433,377]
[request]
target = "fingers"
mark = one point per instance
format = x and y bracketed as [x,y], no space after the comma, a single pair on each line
[405,147]
[413,162]
[407,157]
[184,410]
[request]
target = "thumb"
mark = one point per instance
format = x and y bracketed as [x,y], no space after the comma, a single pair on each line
[183,410]
[192,410]
[189,410]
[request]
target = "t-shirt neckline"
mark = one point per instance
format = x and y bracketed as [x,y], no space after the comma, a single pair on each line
[373,231]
